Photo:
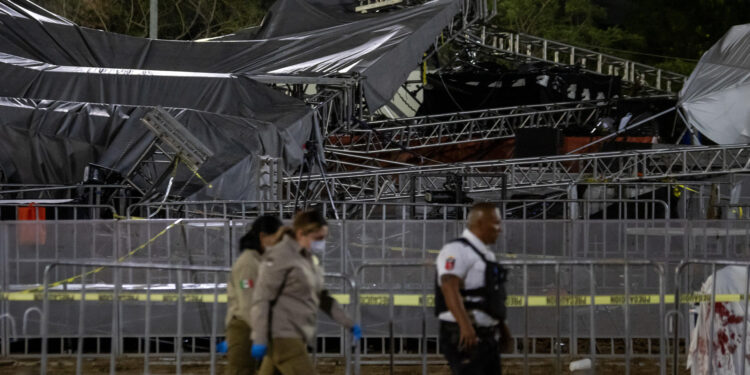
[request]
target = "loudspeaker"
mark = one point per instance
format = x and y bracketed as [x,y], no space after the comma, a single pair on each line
[542,141]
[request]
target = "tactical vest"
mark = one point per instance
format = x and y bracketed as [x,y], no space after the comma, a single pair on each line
[491,296]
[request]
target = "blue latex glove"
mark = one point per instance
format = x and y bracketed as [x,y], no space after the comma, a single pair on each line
[222,347]
[356,332]
[258,351]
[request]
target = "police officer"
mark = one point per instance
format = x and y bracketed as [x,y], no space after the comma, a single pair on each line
[240,289]
[470,297]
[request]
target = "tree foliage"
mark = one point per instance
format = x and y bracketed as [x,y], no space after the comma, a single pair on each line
[178,19]
[572,21]
[671,34]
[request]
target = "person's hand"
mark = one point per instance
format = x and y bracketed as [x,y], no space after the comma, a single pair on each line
[506,340]
[356,332]
[222,347]
[258,351]
[468,338]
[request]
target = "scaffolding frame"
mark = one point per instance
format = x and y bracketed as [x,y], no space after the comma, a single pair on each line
[621,166]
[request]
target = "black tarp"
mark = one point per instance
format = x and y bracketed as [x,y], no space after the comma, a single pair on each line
[53,141]
[299,38]
[492,86]
[211,92]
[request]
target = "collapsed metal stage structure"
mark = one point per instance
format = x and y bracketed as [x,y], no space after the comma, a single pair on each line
[338,128]
[354,153]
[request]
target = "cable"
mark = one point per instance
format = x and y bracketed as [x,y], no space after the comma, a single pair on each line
[447,91]
[638,53]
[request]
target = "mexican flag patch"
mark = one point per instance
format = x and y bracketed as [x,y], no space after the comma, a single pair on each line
[246,284]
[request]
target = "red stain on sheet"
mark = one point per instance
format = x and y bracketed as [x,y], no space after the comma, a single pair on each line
[725,315]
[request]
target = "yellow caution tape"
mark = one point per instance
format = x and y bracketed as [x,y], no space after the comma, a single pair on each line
[99,269]
[381,299]
[195,172]
[435,251]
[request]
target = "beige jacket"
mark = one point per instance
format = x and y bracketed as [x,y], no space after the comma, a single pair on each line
[241,285]
[290,276]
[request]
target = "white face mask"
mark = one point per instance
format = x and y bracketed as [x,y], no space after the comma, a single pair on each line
[318,247]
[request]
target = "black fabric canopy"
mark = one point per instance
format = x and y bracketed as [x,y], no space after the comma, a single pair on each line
[71,96]
[299,38]
[53,141]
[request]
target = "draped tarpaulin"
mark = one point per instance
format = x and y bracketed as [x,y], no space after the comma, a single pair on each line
[51,142]
[716,97]
[299,38]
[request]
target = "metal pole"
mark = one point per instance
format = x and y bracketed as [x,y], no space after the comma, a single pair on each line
[526,319]
[45,318]
[662,325]
[153,25]
[81,323]
[628,344]
[114,346]
[147,326]
[558,343]
[592,312]
[676,321]
[712,311]
[178,339]
[392,340]
[214,317]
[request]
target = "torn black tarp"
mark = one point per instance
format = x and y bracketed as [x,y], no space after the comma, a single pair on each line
[489,85]
[316,39]
[211,92]
[51,142]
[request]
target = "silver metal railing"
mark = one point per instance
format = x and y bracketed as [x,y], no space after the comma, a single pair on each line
[557,300]
[571,209]
[531,47]
[115,350]
[683,274]
[59,211]
[354,242]
[181,298]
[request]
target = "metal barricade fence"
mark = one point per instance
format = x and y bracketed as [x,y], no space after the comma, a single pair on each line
[355,242]
[117,323]
[686,199]
[149,294]
[516,209]
[726,341]
[91,194]
[424,300]
[57,211]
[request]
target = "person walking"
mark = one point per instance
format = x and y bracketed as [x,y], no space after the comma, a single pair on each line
[288,294]
[240,289]
[470,297]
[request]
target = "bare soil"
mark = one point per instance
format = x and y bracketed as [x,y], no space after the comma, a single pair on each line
[133,366]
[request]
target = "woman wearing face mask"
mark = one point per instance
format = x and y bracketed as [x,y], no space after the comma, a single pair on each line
[288,294]
[240,289]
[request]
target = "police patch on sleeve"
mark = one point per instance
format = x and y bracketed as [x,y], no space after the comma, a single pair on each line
[450,263]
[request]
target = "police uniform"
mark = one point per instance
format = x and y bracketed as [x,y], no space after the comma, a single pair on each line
[459,259]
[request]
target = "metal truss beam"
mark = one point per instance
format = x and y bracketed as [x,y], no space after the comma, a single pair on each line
[528,47]
[463,127]
[396,183]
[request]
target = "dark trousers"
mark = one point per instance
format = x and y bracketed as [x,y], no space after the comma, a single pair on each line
[482,359]
[239,361]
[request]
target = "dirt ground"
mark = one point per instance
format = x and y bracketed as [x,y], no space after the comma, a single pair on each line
[133,366]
